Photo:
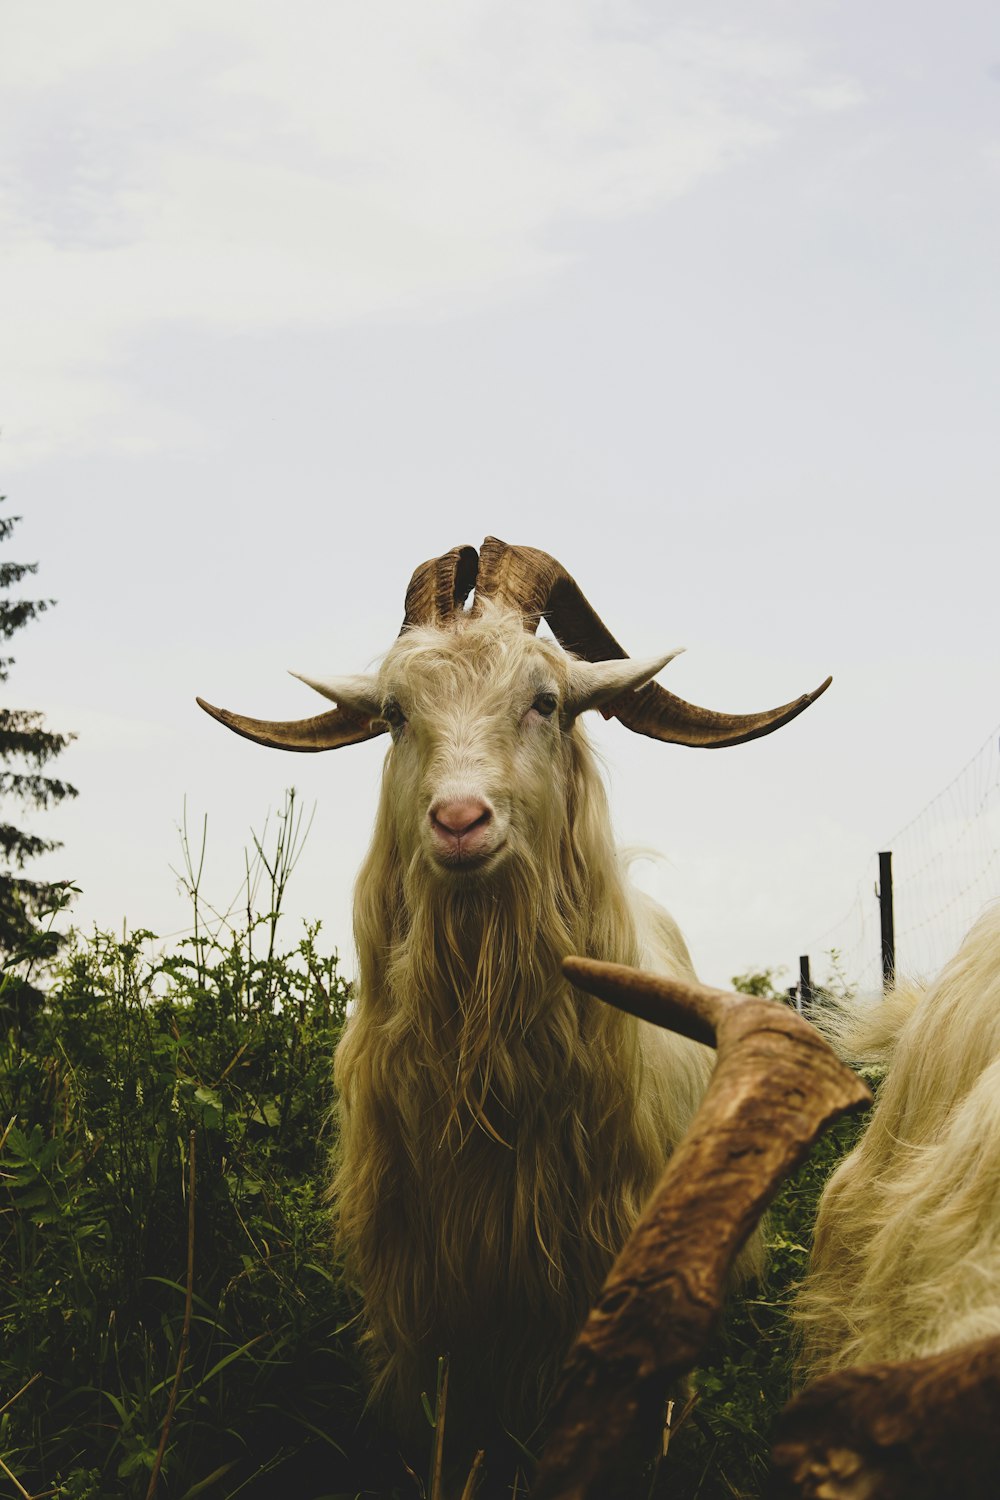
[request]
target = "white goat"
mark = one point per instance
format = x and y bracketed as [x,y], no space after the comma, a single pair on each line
[906,1258]
[499,1129]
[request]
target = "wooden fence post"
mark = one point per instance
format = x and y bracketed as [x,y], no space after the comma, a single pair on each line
[805,985]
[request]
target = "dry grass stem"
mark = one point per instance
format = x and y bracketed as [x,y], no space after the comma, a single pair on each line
[28,1383]
[17,1483]
[469,1488]
[440,1411]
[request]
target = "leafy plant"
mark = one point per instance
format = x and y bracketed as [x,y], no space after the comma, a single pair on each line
[225,1041]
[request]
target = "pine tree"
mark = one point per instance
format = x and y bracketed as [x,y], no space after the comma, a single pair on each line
[26,746]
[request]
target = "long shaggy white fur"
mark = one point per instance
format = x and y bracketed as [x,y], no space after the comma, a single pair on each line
[500,1131]
[906,1259]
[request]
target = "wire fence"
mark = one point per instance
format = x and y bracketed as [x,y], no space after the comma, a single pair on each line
[946,870]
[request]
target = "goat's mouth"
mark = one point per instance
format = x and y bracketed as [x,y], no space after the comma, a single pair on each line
[469,860]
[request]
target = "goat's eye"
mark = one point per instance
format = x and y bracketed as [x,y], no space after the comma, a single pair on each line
[546,704]
[393,715]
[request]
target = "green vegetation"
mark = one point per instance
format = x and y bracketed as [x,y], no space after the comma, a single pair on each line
[222,1047]
[25,747]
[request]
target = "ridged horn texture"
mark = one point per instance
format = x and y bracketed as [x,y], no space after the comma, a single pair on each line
[776,1087]
[901,1430]
[436,591]
[538,587]
[440,587]
[323,732]
[535,583]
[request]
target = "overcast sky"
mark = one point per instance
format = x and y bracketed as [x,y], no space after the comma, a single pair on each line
[701,299]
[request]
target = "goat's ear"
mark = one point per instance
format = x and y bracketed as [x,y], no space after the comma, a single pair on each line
[357,694]
[592,683]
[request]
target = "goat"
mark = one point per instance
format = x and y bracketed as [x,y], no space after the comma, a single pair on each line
[906,1256]
[498,1131]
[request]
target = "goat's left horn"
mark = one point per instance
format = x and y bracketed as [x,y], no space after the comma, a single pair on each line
[537,585]
[653,711]
[323,732]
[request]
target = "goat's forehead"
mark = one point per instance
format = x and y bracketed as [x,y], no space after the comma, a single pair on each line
[493,656]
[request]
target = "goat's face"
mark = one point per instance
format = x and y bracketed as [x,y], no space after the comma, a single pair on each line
[482,715]
[478,767]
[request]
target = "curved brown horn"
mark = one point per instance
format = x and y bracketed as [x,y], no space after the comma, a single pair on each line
[522,577]
[324,732]
[775,1088]
[535,583]
[436,590]
[653,711]
[917,1429]
[440,587]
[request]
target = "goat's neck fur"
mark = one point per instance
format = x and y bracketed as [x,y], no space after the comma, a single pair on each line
[498,1134]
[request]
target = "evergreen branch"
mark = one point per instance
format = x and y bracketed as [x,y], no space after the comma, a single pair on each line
[13,572]
[17,613]
[18,846]
[21,733]
[24,904]
[7,523]
[40,791]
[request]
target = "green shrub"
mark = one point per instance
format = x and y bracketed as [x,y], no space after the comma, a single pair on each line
[224,1044]
[131,1059]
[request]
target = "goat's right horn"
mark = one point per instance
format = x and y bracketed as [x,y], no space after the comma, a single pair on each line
[323,732]
[437,589]
[537,585]
[440,587]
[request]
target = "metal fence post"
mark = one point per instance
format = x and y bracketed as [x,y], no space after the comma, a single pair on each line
[884,892]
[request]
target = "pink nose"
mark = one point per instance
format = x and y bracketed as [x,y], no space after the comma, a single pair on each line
[457,819]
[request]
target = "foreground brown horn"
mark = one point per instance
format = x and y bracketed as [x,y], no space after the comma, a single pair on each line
[535,583]
[775,1089]
[905,1430]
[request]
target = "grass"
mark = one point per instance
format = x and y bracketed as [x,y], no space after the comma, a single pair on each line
[172,1320]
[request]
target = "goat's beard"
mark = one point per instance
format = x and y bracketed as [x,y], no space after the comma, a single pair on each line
[478,969]
[499,1133]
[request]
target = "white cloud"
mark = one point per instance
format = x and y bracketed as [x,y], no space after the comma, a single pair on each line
[834,95]
[235,166]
